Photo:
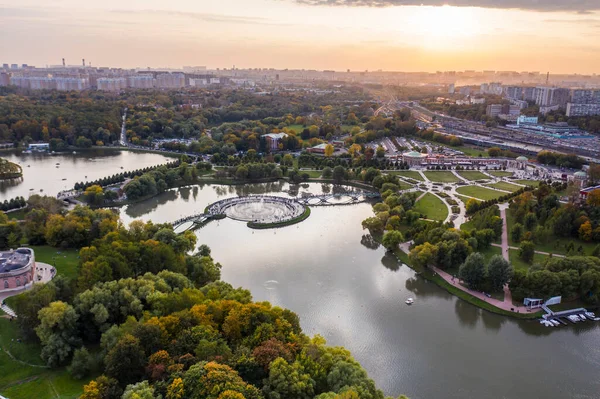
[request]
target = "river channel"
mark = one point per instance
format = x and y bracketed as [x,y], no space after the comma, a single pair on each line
[47,174]
[347,289]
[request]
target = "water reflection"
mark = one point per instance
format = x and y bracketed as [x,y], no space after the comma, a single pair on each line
[6,185]
[390,261]
[143,208]
[57,172]
[424,288]
[492,321]
[368,241]
[466,313]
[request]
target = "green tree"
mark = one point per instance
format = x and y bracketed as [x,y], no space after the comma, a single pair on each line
[327,173]
[126,360]
[392,239]
[499,272]
[424,255]
[373,224]
[473,270]
[527,251]
[516,232]
[329,150]
[288,381]
[58,332]
[339,174]
[82,363]
[141,390]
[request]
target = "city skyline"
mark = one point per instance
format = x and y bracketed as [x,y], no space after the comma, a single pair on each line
[391,35]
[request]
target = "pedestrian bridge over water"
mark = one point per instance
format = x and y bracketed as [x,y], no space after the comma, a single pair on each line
[268,209]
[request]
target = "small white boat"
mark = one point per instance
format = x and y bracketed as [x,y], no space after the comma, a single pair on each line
[74,152]
[410,301]
[575,318]
[556,323]
[590,315]
[582,317]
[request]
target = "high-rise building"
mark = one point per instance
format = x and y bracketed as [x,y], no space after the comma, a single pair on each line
[583,109]
[513,92]
[529,93]
[41,83]
[170,80]
[4,79]
[112,84]
[68,84]
[580,96]
[141,81]
[493,110]
[551,96]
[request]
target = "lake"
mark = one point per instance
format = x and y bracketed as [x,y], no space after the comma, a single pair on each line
[41,172]
[349,290]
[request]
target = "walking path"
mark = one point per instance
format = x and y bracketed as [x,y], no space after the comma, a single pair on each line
[507,304]
[504,245]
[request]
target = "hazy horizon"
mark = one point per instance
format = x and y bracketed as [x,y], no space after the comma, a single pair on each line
[391,35]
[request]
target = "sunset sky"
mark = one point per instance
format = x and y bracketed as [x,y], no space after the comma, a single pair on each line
[397,35]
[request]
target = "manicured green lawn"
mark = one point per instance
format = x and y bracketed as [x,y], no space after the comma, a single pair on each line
[500,173]
[432,207]
[533,183]
[441,176]
[65,260]
[479,192]
[465,199]
[408,173]
[519,264]
[472,175]
[22,381]
[404,185]
[501,185]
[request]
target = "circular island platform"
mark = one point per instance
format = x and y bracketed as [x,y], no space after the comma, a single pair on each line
[262,211]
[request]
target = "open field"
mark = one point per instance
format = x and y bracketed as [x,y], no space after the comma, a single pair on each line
[480,192]
[534,183]
[501,185]
[500,173]
[465,199]
[472,175]
[408,173]
[66,261]
[441,176]
[26,377]
[432,207]
[519,264]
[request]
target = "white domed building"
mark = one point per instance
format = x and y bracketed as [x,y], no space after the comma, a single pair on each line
[580,179]
[413,158]
[522,162]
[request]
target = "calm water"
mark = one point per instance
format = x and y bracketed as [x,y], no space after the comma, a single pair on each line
[348,290]
[43,174]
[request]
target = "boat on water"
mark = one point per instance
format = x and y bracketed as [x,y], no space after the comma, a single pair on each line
[410,301]
[590,315]
[582,317]
[556,323]
[64,179]
[58,163]
[74,152]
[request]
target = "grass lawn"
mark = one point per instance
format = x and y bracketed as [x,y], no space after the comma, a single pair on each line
[432,207]
[404,185]
[473,175]
[22,381]
[441,176]
[480,192]
[534,183]
[297,128]
[314,174]
[500,173]
[16,215]
[501,185]
[519,264]
[408,173]
[465,199]
[66,261]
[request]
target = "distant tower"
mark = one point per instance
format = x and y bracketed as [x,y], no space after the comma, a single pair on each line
[547,78]
[83,62]
[64,63]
